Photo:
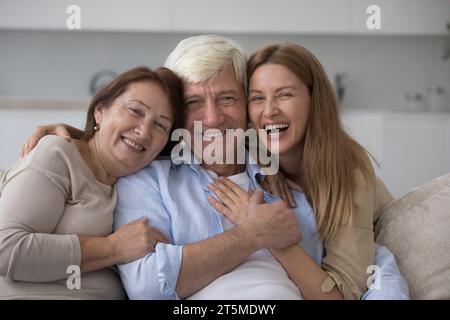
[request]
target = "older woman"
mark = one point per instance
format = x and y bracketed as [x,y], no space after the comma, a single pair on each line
[56,204]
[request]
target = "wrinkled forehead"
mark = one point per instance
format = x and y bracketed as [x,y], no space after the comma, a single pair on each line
[224,81]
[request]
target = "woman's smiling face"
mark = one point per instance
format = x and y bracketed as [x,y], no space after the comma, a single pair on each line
[278,99]
[134,128]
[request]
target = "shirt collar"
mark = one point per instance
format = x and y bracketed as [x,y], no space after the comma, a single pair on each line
[255,172]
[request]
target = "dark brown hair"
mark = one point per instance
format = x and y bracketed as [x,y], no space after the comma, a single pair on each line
[331,158]
[164,77]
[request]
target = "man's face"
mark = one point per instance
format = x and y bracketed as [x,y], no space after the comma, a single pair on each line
[219,103]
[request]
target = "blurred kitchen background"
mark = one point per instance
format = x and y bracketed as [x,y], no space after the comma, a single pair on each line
[394,82]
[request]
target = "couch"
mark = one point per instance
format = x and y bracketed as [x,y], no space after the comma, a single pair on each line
[416,228]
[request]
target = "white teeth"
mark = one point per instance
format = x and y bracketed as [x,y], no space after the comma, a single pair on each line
[212,133]
[276,126]
[132,144]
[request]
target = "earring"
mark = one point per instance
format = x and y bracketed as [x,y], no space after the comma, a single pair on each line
[96,127]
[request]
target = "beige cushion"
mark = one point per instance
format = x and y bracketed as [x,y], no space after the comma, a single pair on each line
[416,228]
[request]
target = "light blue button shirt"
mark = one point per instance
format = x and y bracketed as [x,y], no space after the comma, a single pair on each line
[174,199]
[387,282]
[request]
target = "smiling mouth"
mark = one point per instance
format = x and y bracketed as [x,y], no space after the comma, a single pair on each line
[213,133]
[133,145]
[276,128]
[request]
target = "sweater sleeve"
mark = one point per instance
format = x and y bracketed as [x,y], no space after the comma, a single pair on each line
[350,250]
[31,205]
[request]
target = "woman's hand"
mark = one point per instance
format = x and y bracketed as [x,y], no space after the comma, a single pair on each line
[234,202]
[61,130]
[134,240]
[242,207]
[278,184]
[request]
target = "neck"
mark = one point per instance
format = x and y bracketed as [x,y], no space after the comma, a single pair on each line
[96,164]
[225,170]
[290,164]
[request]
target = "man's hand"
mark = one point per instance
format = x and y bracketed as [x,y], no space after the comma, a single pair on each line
[274,224]
[61,130]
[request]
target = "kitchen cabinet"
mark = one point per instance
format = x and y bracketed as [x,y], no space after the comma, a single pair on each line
[18,119]
[398,17]
[411,148]
[255,16]
[98,15]
[120,15]
[402,17]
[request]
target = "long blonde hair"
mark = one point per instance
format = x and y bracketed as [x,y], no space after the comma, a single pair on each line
[330,155]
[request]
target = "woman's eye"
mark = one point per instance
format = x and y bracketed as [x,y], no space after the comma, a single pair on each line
[160,126]
[285,94]
[193,104]
[256,99]
[136,111]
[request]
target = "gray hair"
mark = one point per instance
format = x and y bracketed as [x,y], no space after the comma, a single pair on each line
[199,58]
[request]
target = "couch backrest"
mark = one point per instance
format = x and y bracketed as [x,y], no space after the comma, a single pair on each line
[416,228]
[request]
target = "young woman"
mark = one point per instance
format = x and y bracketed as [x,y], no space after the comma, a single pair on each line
[56,204]
[291,99]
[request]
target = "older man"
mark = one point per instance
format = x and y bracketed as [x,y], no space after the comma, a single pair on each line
[204,244]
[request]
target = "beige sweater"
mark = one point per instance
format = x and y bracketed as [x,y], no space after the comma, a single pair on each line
[351,248]
[46,200]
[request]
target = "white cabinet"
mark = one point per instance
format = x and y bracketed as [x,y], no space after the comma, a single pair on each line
[411,148]
[18,119]
[256,16]
[415,150]
[399,17]
[120,15]
[98,15]
[447,142]
[29,14]
[367,129]
[402,17]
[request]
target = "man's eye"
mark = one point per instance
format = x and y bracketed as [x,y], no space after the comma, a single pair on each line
[226,100]
[193,104]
